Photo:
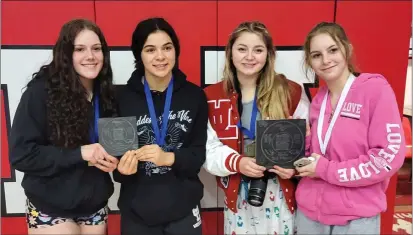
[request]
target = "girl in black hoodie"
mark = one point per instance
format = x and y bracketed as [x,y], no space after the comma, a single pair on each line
[160,189]
[53,140]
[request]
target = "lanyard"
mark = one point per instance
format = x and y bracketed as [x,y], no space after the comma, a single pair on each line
[94,134]
[251,132]
[323,144]
[159,135]
[251,135]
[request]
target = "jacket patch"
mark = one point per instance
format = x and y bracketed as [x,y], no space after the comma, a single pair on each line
[225,181]
[351,110]
[221,117]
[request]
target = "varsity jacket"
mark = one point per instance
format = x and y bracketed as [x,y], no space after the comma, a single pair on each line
[225,140]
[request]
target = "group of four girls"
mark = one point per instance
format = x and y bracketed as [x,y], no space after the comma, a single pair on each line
[355,139]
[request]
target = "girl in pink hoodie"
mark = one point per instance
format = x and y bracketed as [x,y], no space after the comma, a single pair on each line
[357,142]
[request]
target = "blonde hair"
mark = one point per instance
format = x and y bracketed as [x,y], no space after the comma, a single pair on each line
[273,93]
[337,33]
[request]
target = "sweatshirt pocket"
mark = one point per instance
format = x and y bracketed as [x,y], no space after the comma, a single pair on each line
[335,201]
[346,199]
[306,194]
[159,203]
[60,187]
[154,204]
[81,190]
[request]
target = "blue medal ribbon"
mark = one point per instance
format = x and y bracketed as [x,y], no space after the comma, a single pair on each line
[251,132]
[94,134]
[159,134]
[251,135]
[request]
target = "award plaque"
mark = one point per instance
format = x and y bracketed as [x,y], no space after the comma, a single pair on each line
[280,142]
[118,135]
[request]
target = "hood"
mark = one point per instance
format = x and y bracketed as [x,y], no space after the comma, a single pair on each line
[371,80]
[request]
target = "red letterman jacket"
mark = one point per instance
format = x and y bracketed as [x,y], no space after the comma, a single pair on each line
[225,141]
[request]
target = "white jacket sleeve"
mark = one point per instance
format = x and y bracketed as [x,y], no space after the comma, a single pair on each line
[303,108]
[221,160]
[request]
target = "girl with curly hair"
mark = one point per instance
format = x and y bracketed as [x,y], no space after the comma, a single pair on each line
[53,139]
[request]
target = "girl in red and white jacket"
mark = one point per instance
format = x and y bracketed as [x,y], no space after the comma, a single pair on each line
[251,90]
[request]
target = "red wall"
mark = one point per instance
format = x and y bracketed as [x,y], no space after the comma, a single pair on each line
[379,30]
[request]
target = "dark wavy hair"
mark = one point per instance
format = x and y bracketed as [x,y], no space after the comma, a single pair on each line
[141,34]
[68,109]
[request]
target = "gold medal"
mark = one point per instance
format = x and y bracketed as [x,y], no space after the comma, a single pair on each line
[250,149]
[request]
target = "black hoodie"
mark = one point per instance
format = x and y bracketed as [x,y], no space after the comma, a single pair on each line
[158,195]
[56,180]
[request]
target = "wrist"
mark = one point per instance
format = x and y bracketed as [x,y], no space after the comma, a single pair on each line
[238,163]
[321,167]
[82,152]
[169,159]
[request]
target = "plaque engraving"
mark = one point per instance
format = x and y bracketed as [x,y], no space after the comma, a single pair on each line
[118,135]
[280,142]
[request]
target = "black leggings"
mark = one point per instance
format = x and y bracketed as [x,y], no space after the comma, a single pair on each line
[189,225]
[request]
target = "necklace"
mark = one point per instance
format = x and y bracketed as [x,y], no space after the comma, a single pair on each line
[331,115]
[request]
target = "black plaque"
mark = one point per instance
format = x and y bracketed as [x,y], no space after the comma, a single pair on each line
[280,142]
[118,135]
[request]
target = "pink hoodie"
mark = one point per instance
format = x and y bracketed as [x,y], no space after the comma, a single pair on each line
[367,146]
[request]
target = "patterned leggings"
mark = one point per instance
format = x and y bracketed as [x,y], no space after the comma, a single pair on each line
[38,219]
[273,217]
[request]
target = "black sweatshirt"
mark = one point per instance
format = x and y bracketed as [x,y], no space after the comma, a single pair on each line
[56,180]
[159,195]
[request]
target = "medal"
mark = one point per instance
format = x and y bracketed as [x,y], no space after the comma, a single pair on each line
[250,149]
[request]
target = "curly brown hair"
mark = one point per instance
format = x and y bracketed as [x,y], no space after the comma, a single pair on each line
[68,109]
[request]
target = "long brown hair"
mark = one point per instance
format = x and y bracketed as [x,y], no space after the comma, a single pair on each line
[273,94]
[68,111]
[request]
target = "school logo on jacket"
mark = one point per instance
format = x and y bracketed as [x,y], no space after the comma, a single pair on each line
[225,181]
[222,119]
[177,127]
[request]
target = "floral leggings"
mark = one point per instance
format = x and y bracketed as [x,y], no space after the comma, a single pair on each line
[38,219]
